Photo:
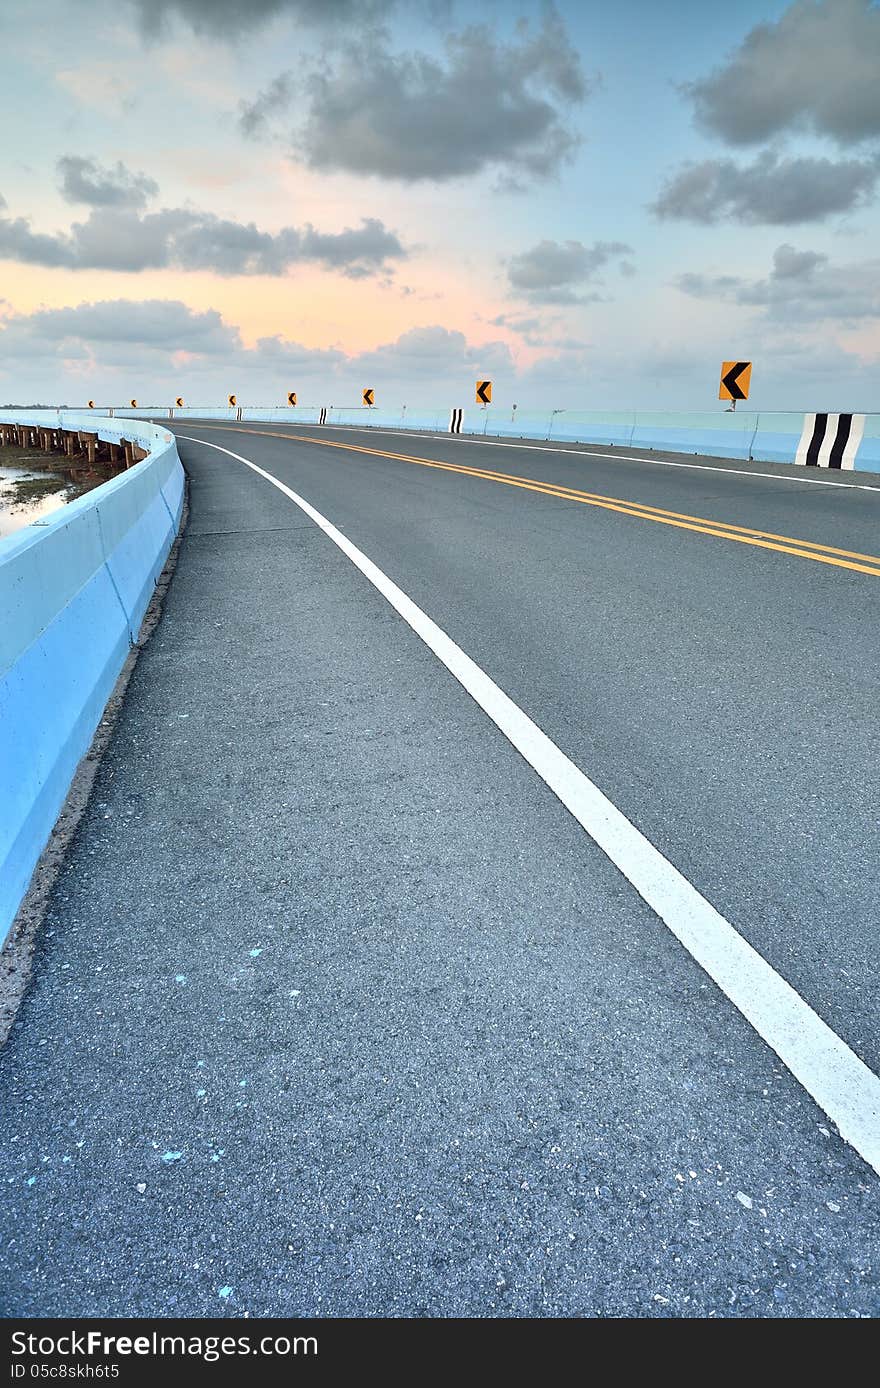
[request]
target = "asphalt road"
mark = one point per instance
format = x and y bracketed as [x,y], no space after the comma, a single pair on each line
[338,1011]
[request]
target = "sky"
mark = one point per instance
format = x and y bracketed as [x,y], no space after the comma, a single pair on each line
[592,205]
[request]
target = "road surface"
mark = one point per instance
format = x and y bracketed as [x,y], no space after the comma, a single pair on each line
[338,1010]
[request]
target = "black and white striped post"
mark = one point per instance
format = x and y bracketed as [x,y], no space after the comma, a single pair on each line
[830,440]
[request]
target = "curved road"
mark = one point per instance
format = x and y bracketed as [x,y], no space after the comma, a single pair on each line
[338,1010]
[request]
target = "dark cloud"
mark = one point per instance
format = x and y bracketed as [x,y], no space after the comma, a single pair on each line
[410,116]
[178,238]
[255,115]
[803,286]
[771,190]
[815,69]
[356,251]
[231,18]
[789,264]
[552,271]
[18,242]
[151,325]
[85,181]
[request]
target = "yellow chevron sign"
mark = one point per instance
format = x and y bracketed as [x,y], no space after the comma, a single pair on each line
[369,396]
[484,392]
[232,400]
[735,379]
[133,404]
[291,397]
[179,400]
[91,404]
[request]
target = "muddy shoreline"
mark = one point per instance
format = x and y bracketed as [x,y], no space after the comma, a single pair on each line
[35,483]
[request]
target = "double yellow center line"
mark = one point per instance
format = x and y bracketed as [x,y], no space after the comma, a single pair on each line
[721,530]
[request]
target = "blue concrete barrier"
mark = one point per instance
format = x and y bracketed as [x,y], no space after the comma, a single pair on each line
[73,592]
[776,438]
[277,414]
[716,435]
[770,436]
[400,418]
[282,414]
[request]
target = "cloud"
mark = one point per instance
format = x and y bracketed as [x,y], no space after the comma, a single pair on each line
[355,251]
[280,353]
[183,239]
[434,354]
[165,346]
[551,271]
[518,323]
[539,332]
[231,18]
[255,115]
[410,116]
[151,325]
[789,264]
[85,181]
[814,69]
[18,242]
[533,330]
[157,349]
[770,190]
[803,286]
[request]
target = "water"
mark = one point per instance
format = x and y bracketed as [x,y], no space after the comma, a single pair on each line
[15,511]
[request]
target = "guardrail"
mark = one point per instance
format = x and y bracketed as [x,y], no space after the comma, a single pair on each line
[846,440]
[74,588]
[836,440]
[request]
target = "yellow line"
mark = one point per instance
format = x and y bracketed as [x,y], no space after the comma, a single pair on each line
[722,530]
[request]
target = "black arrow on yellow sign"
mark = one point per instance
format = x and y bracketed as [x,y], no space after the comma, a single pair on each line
[735,377]
[369,396]
[291,397]
[484,392]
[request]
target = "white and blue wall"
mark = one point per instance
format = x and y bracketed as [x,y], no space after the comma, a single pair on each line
[848,441]
[74,589]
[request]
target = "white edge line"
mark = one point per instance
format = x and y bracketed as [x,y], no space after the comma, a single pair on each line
[580,453]
[836,1078]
